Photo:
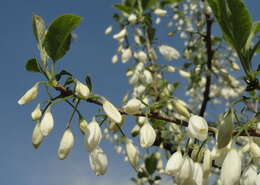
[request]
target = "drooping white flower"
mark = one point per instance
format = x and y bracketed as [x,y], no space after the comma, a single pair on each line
[132,18]
[30,95]
[207,162]
[132,154]
[93,135]
[186,171]
[108,30]
[47,122]
[258,127]
[231,168]
[198,173]
[98,161]
[181,107]
[82,90]
[160,12]
[174,163]
[37,136]
[169,53]
[37,113]
[112,112]
[120,35]
[66,144]
[147,77]
[198,128]
[83,125]
[254,149]
[171,69]
[114,59]
[126,55]
[147,135]
[249,175]
[132,106]
[141,56]
[257,179]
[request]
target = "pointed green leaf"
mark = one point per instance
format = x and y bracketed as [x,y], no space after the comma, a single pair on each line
[38,28]
[32,65]
[151,164]
[58,37]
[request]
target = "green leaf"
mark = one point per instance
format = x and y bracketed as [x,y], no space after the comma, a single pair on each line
[32,65]
[58,37]
[151,164]
[38,28]
[88,82]
[148,4]
[68,81]
[62,73]
[124,8]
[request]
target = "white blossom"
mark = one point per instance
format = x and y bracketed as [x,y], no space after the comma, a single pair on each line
[249,175]
[169,53]
[126,55]
[132,18]
[181,107]
[37,113]
[184,74]
[170,69]
[114,59]
[82,90]
[174,163]
[47,122]
[98,161]
[254,149]
[132,106]
[108,30]
[132,154]
[257,179]
[37,136]
[120,35]
[147,135]
[186,171]
[30,95]
[160,12]
[112,112]
[93,135]
[83,125]
[198,128]
[141,56]
[66,144]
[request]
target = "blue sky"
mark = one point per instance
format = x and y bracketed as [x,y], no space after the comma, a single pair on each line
[91,53]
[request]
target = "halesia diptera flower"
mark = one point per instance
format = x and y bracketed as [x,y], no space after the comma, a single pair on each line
[93,135]
[160,12]
[98,161]
[37,113]
[254,149]
[108,30]
[231,168]
[30,95]
[181,108]
[121,35]
[186,171]
[83,125]
[47,122]
[147,135]
[66,144]
[169,53]
[198,128]
[82,90]
[174,163]
[132,154]
[249,175]
[112,112]
[132,18]
[132,106]
[126,54]
[37,136]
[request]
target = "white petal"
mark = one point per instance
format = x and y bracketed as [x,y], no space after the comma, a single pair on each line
[112,112]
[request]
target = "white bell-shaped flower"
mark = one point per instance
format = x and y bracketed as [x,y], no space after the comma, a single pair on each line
[181,108]
[258,127]
[114,59]
[207,162]
[82,90]
[169,53]
[198,128]
[198,173]
[83,125]
[141,56]
[249,175]
[254,149]
[147,135]
[112,112]
[171,69]
[186,171]
[93,135]
[147,77]
[126,55]
[30,95]
[121,35]
[132,18]
[37,136]
[98,161]
[132,154]
[66,144]
[108,30]
[160,12]
[132,106]
[174,163]
[37,113]
[231,168]
[257,179]
[184,74]
[47,122]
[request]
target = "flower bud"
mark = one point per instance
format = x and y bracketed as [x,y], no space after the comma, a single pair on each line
[30,95]
[257,179]
[186,171]
[132,18]
[37,113]
[108,30]
[98,161]
[254,149]
[132,106]
[47,122]
[112,112]
[184,74]
[181,108]
[141,56]
[66,144]
[132,154]
[170,69]
[231,168]
[147,77]
[160,12]
[169,53]
[258,127]
[174,163]
[93,135]
[82,90]
[126,55]
[114,59]
[147,135]
[225,130]
[120,35]
[37,136]
[198,128]
[249,175]
[83,125]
